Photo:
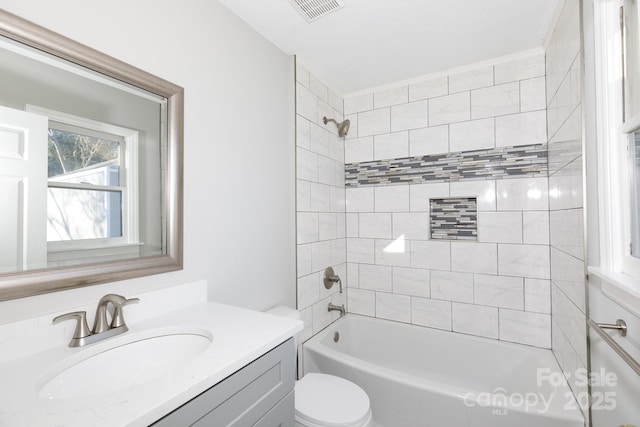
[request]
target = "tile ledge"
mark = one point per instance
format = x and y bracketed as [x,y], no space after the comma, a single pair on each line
[619,287]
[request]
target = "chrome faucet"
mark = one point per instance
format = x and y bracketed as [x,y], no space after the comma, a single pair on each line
[101,327]
[340,308]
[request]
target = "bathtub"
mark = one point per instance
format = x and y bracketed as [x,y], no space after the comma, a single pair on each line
[421,377]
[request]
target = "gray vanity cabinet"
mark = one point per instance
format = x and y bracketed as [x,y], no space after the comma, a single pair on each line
[260,394]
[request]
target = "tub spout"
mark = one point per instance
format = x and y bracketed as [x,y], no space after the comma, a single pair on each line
[340,308]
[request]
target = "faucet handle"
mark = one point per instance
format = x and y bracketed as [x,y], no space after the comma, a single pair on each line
[82,328]
[118,317]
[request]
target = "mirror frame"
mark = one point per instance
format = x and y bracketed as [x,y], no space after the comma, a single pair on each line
[35,282]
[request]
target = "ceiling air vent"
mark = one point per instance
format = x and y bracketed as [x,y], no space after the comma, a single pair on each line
[314,9]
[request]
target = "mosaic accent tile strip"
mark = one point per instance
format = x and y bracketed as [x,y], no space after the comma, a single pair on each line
[496,163]
[454,218]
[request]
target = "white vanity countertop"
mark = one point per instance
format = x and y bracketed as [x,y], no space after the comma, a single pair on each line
[239,337]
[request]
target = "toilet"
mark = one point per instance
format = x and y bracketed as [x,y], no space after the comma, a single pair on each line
[323,400]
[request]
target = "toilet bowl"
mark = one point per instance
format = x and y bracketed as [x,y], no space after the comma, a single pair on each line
[323,400]
[328,401]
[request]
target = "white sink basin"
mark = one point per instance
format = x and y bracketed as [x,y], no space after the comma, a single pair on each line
[116,365]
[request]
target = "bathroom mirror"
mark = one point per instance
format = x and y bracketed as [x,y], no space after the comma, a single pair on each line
[90,165]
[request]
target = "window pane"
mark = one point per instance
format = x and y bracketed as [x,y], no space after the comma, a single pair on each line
[634,157]
[83,214]
[78,158]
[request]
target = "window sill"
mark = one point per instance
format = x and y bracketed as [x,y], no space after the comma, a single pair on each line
[619,287]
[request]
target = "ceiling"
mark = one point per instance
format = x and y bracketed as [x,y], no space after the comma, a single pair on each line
[370,43]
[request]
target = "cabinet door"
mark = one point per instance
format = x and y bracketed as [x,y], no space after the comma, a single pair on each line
[281,415]
[243,398]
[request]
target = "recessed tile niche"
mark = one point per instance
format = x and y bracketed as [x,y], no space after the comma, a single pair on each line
[454,218]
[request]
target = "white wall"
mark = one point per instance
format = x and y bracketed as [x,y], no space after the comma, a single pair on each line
[239,142]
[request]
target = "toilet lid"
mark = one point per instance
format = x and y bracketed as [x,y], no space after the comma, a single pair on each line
[330,401]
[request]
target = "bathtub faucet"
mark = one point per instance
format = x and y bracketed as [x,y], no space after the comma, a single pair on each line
[340,308]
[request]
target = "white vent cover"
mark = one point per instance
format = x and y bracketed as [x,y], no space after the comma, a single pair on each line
[314,9]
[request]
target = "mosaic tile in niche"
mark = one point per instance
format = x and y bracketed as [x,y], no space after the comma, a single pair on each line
[454,218]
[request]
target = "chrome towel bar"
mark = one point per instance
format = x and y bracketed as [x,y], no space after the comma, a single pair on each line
[620,325]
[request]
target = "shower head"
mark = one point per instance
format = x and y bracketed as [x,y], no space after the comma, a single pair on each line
[343,127]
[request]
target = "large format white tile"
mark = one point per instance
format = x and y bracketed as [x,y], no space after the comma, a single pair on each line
[320,255]
[420,194]
[520,69]
[450,286]
[338,197]
[357,104]
[430,254]
[533,95]
[567,231]
[321,316]
[433,140]
[527,194]
[318,140]
[411,281]
[475,320]
[325,110]
[306,103]
[361,301]
[498,291]
[375,277]
[352,224]
[336,102]
[353,127]
[567,272]
[413,226]
[472,135]
[304,260]
[449,109]
[341,225]
[308,290]
[353,275]
[392,198]
[524,260]
[535,227]
[302,132]
[358,150]
[320,197]
[500,227]
[375,225]
[572,322]
[474,257]
[306,165]
[495,101]
[565,187]
[537,295]
[303,195]
[393,96]
[484,191]
[393,252]
[318,88]
[525,328]
[409,116]
[472,79]
[307,227]
[393,307]
[327,226]
[521,129]
[302,75]
[338,252]
[431,313]
[374,122]
[391,145]
[361,250]
[359,199]
[327,170]
[428,89]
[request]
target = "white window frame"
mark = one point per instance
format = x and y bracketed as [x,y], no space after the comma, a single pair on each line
[130,207]
[619,269]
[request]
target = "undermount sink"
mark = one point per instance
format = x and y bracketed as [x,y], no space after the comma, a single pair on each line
[105,368]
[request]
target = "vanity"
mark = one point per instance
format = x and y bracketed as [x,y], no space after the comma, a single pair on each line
[200,364]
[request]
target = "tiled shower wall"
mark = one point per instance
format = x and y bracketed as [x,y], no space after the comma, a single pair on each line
[320,201]
[565,193]
[497,286]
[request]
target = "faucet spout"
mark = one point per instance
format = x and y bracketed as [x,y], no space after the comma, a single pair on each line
[101,324]
[340,308]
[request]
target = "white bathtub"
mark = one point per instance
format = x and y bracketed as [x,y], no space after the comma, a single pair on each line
[421,377]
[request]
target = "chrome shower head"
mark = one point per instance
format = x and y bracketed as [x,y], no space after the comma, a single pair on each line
[343,127]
